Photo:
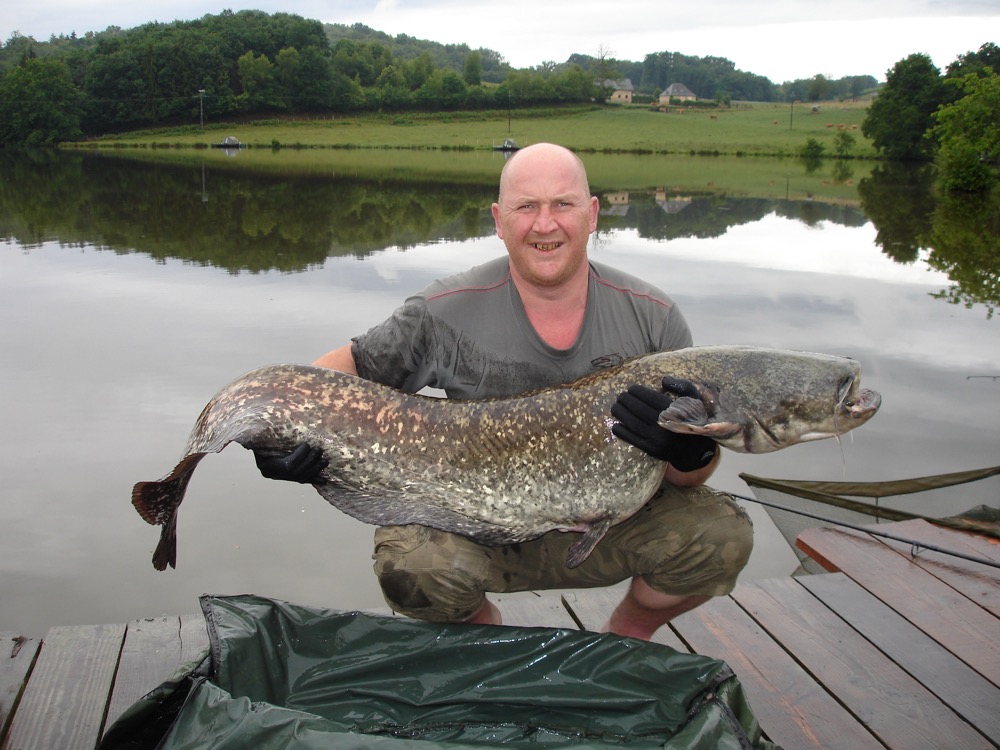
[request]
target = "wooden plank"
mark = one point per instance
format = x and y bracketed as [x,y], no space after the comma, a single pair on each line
[592,607]
[64,702]
[978,582]
[968,693]
[887,700]
[534,610]
[958,624]
[17,656]
[793,709]
[153,650]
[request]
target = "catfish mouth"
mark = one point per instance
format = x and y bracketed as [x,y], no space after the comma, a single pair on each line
[855,403]
[855,407]
[860,405]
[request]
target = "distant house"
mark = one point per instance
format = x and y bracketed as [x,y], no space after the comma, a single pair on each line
[621,91]
[677,91]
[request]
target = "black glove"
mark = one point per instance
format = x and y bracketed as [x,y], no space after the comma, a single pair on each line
[302,465]
[638,411]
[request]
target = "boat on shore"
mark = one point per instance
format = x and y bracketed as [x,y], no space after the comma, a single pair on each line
[230,141]
[795,505]
[508,145]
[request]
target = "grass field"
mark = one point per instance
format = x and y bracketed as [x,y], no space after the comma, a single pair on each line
[760,129]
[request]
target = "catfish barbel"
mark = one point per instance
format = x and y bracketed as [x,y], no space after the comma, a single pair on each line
[506,470]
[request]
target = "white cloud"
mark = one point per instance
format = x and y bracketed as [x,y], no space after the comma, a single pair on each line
[783,41]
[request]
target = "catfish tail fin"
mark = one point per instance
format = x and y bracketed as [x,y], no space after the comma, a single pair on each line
[157,503]
[166,550]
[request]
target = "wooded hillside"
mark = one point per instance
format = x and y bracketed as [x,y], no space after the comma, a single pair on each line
[251,64]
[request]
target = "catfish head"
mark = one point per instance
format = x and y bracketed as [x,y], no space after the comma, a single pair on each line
[772,399]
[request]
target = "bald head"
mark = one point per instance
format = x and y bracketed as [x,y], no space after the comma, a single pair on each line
[541,156]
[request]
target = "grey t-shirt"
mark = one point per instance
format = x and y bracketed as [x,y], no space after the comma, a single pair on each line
[469,335]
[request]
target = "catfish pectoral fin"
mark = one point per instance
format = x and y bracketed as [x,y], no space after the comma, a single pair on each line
[689,415]
[684,410]
[581,549]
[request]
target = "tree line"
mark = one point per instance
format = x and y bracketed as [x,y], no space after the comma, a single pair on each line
[250,63]
[254,64]
[952,118]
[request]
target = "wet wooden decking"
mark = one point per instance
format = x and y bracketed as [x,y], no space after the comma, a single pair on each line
[888,651]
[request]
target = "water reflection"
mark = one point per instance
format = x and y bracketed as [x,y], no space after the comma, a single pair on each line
[132,290]
[256,219]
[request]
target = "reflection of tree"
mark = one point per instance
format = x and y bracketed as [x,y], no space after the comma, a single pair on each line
[966,241]
[243,220]
[813,212]
[234,219]
[842,170]
[962,234]
[714,215]
[897,198]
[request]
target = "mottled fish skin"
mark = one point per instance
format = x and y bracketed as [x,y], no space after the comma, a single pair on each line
[507,470]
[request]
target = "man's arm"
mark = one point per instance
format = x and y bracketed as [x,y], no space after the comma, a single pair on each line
[341,359]
[305,462]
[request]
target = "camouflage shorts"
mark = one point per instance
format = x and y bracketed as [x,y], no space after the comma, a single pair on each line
[684,541]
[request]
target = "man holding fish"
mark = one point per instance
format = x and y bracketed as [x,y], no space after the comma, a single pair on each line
[542,316]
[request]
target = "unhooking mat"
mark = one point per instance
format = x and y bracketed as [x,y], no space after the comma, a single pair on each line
[285,676]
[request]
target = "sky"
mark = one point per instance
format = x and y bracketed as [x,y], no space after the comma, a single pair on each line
[782,40]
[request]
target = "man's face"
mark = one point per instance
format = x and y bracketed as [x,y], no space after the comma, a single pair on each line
[545,215]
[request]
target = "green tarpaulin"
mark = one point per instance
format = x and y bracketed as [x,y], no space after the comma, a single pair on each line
[285,676]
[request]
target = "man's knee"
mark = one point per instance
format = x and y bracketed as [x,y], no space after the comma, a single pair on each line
[705,552]
[732,539]
[425,574]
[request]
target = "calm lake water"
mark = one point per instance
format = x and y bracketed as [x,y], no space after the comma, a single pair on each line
[133,290]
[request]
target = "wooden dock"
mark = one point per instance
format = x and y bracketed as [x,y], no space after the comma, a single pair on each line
[888,651]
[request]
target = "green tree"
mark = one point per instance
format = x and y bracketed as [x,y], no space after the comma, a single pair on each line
[473,73]
[418,70]
[115,91]
[311,86]
[819,88]
[986,59]
[843,142]
[392,91]
[969,133]
[812,150]
[901,114]
[445,89]
[572,84]
[288,64]
[361,61]
[39,104]
[257,79]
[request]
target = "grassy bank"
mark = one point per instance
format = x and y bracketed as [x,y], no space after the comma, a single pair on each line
[751,129]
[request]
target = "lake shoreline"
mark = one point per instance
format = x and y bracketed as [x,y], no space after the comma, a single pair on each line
[745,129]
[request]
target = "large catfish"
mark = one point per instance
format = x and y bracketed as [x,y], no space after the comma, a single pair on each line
[507,470]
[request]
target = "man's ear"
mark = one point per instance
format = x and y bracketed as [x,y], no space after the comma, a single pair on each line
[496,219]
